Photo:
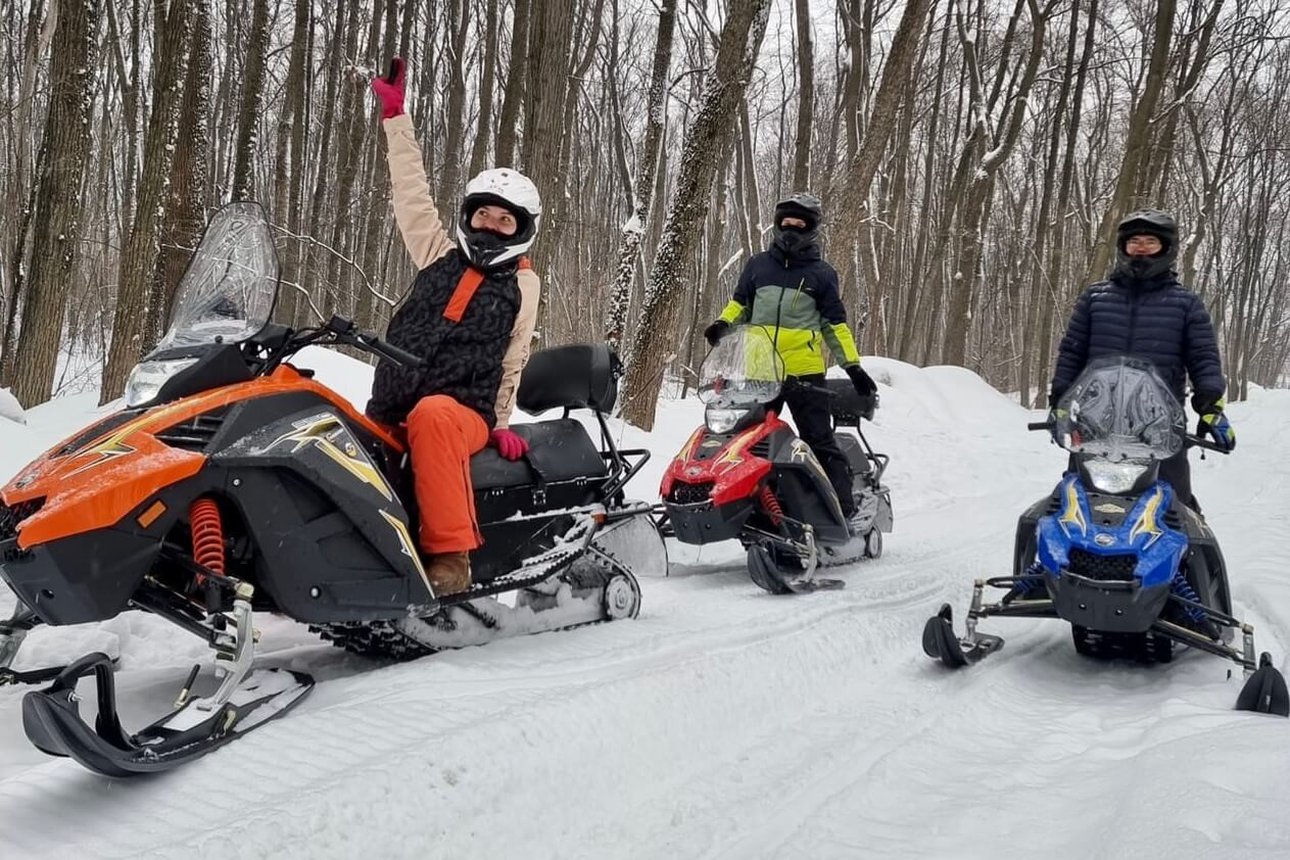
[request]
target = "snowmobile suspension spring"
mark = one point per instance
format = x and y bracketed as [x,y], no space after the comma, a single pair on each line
[208,535]
[1183,589]
[771,503]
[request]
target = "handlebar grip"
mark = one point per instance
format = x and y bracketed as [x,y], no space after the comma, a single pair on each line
[1197,442]
[395,354]
[1040,425]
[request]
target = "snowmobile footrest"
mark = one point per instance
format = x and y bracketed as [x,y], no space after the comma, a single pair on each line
[53,723]
[1265,691]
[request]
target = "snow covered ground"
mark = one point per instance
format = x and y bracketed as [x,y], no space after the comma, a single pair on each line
[725,722]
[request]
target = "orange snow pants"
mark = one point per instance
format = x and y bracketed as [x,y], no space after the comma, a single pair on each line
[442,435]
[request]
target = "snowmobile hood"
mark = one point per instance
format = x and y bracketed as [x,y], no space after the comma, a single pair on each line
[96,477]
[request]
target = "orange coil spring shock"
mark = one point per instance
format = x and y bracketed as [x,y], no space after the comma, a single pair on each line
[208,535]
[771,503]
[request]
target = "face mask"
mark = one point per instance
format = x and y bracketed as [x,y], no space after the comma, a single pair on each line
[793,239]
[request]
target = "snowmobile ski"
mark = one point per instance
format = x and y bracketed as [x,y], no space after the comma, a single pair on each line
[244,700]
[1265,691]
[941,643]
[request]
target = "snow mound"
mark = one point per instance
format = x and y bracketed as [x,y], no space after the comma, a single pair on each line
[10,407]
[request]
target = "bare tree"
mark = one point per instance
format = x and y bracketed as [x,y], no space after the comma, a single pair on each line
[57,226]
[252,94]
[634,229]
[139,260]
[655,343]
[806,97]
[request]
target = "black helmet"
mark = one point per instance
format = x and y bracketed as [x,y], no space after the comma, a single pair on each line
[802,205]
[1146,222]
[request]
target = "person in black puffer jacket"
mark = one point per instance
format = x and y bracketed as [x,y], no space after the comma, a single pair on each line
[1144,311]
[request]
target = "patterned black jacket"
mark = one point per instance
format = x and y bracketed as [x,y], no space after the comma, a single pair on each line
[463,359]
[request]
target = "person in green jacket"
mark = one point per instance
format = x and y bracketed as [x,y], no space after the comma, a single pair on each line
[793,292]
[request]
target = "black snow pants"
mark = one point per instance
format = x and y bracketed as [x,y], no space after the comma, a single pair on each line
[808,401]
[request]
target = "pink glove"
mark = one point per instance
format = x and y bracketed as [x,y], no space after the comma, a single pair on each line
[389,89]
[508,443]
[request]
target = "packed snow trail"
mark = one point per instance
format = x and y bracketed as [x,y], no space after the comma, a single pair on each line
[725,722]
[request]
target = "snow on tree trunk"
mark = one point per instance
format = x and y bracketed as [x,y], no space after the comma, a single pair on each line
[656,339]
[57,224]
[139,258]
[634,230]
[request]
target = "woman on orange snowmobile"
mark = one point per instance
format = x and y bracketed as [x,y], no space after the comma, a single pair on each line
[470,315]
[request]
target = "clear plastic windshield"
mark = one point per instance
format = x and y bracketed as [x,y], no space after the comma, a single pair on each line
[228,290]
[743,370]
[1119,408]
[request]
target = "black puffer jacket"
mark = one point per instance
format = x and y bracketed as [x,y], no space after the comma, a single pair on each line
[464,359]
[1158,320]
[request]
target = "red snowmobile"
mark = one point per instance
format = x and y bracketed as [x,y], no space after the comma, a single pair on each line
[746,475]
[234,483]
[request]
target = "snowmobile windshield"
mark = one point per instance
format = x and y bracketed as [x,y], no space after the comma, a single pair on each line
[1120,409]
[228,290]
[742,371]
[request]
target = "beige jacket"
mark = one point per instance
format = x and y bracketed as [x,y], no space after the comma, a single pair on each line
[427,241]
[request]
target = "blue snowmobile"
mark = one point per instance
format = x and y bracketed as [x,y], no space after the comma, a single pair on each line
[1112,551]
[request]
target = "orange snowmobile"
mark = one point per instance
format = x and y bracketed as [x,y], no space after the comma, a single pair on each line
[233,483]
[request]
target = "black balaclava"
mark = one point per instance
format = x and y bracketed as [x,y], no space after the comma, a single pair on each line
[794,240]
[1149,222]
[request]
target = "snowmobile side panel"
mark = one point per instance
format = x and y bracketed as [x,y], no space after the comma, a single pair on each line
[94,485]
[62,587]
[804,489]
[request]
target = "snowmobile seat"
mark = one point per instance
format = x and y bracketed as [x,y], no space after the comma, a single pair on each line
[577,376]
[559,450]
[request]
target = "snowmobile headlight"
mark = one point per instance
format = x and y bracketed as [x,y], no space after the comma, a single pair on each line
[1114,478]
[145,381]
[723,419]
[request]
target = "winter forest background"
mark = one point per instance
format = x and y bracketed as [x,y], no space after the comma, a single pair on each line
[972,155]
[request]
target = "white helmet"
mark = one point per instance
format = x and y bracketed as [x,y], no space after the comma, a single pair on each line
[513,190]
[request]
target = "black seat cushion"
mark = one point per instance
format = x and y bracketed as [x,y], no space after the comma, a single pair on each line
[559,450]
[578,376]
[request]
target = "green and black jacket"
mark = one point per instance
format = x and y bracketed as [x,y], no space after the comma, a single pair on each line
[797,299]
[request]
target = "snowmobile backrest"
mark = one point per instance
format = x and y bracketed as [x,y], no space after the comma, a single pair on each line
[846,405]
[578,376]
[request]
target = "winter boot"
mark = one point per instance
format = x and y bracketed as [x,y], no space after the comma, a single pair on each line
[449,573]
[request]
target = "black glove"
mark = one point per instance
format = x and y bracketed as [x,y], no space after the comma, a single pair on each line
[716,332]
[865,386]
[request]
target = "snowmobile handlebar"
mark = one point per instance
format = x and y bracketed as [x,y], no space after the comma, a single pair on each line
[347,332]
[1189,440]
